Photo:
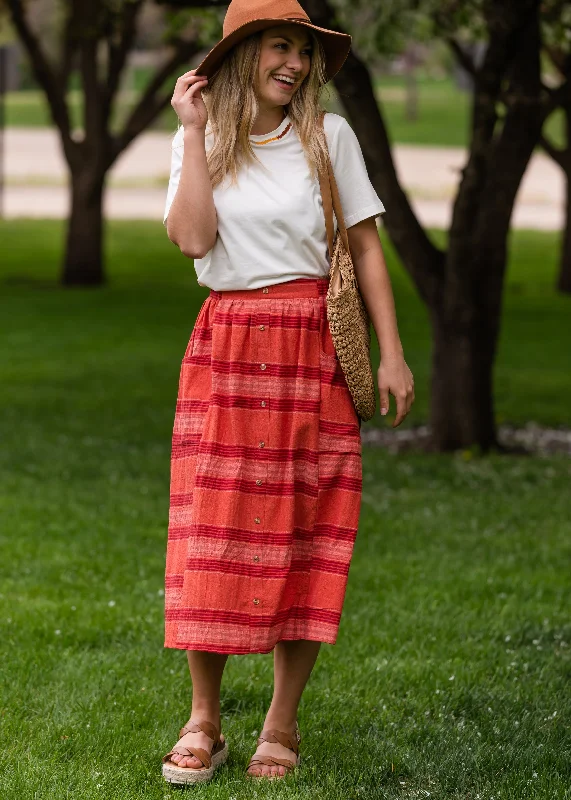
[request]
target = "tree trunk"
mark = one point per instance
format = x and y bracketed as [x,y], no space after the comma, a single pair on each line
[466,317]
[462,412]
[83,265]
[564,278]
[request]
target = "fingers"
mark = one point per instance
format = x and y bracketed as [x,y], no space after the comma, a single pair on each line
[384,398]
[402,409]
[404,399]
[188,84]
[190,74]
[190,77]
[184,85]
[409,391]
[401,386]
[196,88]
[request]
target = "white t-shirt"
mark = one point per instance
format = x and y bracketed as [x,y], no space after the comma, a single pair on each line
[271,226]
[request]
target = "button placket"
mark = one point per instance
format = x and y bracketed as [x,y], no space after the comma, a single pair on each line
[263,358]
[261,441]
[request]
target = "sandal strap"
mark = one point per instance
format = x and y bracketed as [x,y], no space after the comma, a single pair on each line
[197,752]
[206,727]
[272,735]
[269,761]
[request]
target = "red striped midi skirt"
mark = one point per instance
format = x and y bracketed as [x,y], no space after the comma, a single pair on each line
[265,475]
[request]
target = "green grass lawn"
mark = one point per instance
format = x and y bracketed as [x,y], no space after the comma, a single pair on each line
[443,119]
[451,674]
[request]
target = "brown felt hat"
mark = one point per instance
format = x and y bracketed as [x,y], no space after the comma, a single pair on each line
[245,17]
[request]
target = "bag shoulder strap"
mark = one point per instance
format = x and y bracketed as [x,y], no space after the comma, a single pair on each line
[327,209]
[331,200]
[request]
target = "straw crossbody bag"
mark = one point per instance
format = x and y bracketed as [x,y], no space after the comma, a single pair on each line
[348,319]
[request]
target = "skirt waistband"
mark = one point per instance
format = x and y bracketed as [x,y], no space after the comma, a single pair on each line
[300,287]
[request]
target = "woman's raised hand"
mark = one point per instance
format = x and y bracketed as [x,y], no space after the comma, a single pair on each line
[187,101]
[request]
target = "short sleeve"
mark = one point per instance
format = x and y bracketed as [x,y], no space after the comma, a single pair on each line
[359,199]
[176,166]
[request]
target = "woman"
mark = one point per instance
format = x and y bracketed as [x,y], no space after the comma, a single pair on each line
[266,460]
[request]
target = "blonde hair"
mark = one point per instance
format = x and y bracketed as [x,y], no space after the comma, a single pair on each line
[232,109]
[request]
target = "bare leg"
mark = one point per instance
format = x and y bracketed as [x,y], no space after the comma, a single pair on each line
[293,662]
[206,670]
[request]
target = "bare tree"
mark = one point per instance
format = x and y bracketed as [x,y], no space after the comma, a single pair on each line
[97,36]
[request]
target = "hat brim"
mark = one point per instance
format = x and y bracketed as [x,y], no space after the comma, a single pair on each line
[335,45]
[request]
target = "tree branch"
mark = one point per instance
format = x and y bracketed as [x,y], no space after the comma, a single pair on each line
[150,103]
[95,120]
[462,56]
[119,52]
[505,32]
[513,148]
[69,47]
[421,258]
[44,74]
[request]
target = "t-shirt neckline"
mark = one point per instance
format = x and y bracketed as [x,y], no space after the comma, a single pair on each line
[260,137]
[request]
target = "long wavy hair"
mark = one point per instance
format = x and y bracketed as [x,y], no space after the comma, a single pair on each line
[230,99]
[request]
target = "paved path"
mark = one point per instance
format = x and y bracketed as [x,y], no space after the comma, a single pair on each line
[36,178]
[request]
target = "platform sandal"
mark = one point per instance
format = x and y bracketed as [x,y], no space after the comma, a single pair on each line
[210,761]
[285,739]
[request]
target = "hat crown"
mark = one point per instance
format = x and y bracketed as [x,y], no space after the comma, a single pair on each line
[240,12]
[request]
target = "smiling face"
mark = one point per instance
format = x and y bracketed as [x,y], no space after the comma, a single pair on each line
[285,61]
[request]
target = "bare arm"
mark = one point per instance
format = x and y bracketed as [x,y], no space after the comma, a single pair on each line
[394,376]
[192,223]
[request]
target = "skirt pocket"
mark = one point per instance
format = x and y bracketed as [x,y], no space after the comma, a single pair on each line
[195,385]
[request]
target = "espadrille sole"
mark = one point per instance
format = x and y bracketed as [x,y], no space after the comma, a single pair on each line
[185,775]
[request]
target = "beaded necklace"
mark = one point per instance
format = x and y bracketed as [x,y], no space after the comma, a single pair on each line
[275,138]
